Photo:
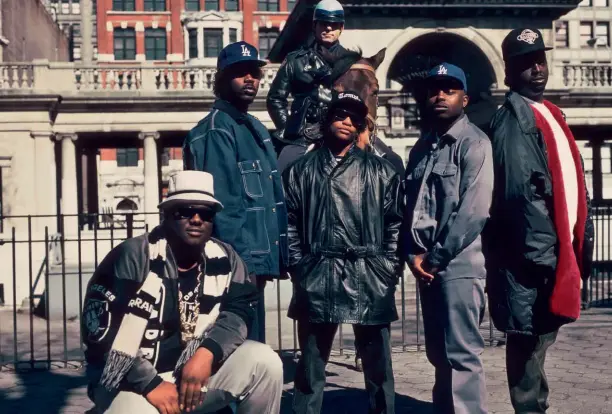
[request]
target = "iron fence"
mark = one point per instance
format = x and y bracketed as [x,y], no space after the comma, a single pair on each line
[46,273]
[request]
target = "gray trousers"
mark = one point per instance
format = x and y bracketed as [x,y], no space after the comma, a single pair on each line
[452,313]
[251,378]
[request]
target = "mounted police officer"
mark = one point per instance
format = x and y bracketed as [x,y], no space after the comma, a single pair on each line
[305,74]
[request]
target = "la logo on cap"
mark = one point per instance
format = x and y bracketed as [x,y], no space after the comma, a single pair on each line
[442,70]
[527,36]
[245,51]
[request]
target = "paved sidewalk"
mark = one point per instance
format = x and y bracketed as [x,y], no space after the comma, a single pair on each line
[579,367]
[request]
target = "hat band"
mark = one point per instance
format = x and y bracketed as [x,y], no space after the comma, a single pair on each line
[191,192]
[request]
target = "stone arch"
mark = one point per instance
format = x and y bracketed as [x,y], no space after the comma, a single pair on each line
[127,204]
[470,34]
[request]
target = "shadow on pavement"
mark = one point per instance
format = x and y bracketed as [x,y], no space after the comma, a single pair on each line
[41,392]
[343,400]
[353,400]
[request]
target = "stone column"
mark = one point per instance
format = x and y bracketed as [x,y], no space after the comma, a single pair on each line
[86,32]
[69,201]
[200,42]
[151,178]
[45,182]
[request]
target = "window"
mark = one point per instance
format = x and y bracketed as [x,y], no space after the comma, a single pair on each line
[291,4]
[192,5]
[233,35]
[193,43]
[231,5]
[267,5]
[127,157]
[124,5]
[602,33]
[601,3]
[155,5]
[213,42]
[155,44]
[561,35]
[212,5]
[125,44]
[165,157]
[586,34]
[266,41]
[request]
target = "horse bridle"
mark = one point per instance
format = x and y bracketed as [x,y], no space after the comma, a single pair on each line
[369,117]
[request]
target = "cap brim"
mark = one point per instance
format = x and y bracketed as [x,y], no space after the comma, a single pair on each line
[526,52]
[445,77]
[257,62]
[351,106]
[191,199]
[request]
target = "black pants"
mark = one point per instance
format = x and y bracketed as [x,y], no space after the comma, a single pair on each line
[374,347]
[258,329]
[525,356]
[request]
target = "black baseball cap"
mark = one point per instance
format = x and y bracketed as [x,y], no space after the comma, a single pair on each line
[522,41]
[349,101]
[238,52]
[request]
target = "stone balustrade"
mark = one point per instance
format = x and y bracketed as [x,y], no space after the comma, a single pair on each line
[66,78]
[587,76]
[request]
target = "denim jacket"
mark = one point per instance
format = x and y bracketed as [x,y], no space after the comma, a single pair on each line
[237,150]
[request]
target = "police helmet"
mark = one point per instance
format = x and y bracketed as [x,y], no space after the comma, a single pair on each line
[329,11]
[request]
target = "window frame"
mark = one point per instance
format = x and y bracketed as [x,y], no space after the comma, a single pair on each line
[188,4]
[218,34]
[267,36]
[215,4]
[155,5]
[193,43]
[124,37]
[125,157]
[120,5]
[268,5]
[233,9]
[155,35]
[565,43]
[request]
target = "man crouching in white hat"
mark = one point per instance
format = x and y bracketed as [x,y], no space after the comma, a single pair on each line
[166,316]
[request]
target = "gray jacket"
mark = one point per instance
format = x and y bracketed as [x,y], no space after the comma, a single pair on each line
[449,185]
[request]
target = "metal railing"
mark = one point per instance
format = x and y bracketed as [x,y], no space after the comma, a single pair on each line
[46,273]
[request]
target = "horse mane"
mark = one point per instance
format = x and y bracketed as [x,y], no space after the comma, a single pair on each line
[342,61]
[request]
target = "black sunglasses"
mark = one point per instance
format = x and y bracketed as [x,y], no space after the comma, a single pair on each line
[342,114]
[180,213]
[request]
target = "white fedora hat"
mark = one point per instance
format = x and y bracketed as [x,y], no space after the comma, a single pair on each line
[191,187]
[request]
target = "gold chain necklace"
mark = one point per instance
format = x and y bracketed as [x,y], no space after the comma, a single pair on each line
[188,322]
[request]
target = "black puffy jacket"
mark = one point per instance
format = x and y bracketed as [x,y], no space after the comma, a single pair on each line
[307,77]
[520,239]
[344,223]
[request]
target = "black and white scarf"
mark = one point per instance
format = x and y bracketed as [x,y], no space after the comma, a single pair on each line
[215,282]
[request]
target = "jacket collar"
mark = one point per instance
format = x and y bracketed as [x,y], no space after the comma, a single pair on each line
[524,114]
[453,133]
[228,108]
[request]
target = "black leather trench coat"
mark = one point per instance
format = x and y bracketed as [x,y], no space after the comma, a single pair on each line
[344,223]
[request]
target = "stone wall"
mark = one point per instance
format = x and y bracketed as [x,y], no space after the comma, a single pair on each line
[31,32]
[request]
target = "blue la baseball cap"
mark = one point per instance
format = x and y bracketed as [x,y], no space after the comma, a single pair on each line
[238,52]
[446,70]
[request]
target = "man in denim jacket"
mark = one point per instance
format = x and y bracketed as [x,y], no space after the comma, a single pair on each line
[236,149]
[449,185]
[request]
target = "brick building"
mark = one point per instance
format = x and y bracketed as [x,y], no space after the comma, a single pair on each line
[185,30]
[28,32]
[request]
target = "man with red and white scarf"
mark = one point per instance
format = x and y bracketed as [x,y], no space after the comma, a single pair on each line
[539,240]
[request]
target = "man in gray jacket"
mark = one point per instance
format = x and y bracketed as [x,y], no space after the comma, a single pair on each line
[449,185]
[166,316]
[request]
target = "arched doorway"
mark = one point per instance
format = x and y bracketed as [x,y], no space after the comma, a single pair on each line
[430,49]
[127,205]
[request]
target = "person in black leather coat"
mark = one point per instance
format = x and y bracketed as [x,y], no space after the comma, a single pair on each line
[345,209]
[305,75]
